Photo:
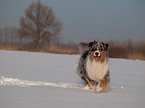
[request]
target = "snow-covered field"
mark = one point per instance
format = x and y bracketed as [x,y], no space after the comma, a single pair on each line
[39,80]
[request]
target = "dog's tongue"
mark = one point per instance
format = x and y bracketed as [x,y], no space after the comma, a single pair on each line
[96,58]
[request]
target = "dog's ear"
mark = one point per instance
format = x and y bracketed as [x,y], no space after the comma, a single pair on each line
[106,46]
[92,43]
[83,46]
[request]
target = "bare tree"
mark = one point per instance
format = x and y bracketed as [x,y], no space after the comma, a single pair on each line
[39,24]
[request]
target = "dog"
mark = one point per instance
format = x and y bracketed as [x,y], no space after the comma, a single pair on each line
[93,66]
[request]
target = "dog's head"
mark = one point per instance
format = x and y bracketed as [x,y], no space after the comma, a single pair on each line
[98,50]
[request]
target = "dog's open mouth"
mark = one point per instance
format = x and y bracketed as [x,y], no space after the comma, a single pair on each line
[97,58]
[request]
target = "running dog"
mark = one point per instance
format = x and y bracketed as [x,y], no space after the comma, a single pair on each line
[93,65]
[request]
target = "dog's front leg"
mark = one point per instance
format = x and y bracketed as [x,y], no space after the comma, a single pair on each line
[104,84]
[98,88]
[89,83]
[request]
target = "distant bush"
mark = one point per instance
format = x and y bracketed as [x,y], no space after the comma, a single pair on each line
[61,48]
[117,50]
[10,47]
[129,49]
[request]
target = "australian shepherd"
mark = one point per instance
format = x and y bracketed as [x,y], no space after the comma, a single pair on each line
[93,65]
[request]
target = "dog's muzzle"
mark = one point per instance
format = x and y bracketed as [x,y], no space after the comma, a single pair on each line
[97,55]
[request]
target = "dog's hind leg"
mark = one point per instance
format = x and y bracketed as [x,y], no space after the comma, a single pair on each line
[85,82]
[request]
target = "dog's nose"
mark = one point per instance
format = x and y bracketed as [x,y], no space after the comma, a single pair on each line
[97,53]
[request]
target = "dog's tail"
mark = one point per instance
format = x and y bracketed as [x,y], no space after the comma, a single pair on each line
[83,46]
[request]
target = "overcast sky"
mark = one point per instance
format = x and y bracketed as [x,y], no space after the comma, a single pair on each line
[86,20]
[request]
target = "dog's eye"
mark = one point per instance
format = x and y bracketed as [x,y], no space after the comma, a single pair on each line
[93,49]
[101,48]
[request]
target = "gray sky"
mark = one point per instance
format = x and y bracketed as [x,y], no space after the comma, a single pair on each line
[86,20]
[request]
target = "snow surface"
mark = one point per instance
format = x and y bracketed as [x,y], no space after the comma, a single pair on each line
[39,80]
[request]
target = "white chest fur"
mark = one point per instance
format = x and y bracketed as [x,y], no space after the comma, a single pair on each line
[96,70]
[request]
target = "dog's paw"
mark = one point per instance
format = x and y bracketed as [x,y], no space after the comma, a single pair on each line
[87,87]
[98,89]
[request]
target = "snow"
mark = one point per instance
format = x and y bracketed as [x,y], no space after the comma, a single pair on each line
[40,80]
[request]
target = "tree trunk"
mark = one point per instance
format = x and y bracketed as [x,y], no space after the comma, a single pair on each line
[36,42]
